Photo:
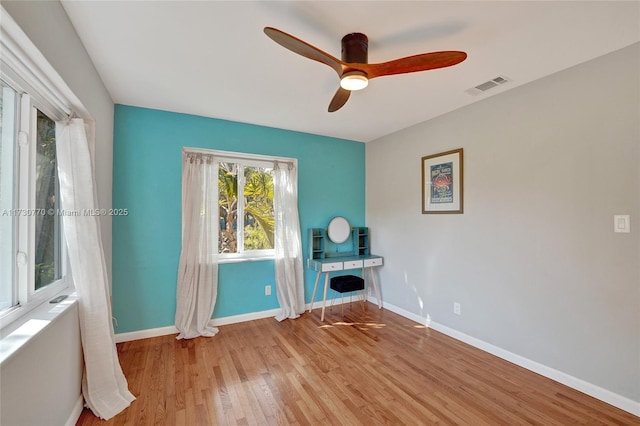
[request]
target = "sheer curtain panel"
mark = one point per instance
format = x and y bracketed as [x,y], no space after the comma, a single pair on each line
[288,246]
[104,386]
[197,286]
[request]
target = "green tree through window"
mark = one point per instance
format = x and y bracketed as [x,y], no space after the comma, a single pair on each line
[47,255]
[254,216]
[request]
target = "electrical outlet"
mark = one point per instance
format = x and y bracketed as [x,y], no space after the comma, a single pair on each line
[456,308]
[267,290]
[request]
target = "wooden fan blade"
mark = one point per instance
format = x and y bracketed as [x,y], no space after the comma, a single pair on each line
[339,99]
[303,48]
[422,62]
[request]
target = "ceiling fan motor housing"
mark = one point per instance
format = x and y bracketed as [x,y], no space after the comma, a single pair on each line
[354,48]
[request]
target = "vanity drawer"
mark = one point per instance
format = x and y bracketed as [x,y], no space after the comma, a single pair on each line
[352,264]
[334,266]
[372,262]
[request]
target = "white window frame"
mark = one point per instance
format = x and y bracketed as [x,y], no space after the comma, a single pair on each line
[252,160]
[26,297]
[7,183]
[37,85]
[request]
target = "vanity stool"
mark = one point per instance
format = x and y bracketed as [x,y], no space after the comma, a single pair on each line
[347,284]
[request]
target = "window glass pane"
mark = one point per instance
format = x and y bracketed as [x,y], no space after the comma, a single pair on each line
[228,202]
[47,244]
[7,194]
[258,209]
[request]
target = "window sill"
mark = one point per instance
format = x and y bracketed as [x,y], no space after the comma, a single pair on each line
[245,259]
[17,334]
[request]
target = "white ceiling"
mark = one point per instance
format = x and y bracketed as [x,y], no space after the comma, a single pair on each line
[211,58]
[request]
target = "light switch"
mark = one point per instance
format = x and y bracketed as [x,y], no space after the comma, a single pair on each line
[621,223]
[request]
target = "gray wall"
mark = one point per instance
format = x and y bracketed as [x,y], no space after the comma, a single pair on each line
[40,385]
[533,261]
[48,367]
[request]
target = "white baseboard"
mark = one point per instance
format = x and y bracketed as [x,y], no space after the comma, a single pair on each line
[171,329]
[605,395]
[145,334]
[590,389]
[76,412]
[244,317]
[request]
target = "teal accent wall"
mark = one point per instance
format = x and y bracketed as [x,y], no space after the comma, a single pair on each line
[147,153]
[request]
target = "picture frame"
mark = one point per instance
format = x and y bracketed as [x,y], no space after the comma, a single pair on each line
[442,182]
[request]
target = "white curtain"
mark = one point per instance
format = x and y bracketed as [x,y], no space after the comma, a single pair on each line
[197,286]
[104,386]
[288,246]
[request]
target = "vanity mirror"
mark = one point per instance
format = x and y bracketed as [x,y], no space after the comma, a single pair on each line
[339,230]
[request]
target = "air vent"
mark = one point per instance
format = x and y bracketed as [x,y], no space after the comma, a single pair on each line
[488,85]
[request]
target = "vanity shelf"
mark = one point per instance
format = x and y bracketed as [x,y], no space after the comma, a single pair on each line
[318,244]
[360,238]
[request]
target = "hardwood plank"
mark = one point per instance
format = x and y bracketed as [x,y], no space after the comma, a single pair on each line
[360,368]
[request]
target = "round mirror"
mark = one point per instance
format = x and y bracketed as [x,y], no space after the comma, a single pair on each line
[339,230]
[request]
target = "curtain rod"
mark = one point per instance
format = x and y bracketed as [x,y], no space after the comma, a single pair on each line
[208,154]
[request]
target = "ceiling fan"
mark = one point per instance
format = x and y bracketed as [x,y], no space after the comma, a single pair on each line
[354,70]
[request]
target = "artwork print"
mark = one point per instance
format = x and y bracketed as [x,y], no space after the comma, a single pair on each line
[442,182]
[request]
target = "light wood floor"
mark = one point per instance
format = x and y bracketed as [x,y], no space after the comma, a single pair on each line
[363,368]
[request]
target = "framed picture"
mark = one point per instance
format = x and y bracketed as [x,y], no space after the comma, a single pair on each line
[442,184]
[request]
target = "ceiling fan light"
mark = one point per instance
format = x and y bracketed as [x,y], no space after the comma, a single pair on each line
[354,80]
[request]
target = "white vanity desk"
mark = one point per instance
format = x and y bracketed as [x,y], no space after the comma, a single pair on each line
[338,232]
[327,266]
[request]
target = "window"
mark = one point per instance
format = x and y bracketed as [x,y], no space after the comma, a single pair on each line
[245,200]
[33,96]
[246,227]
[32,250]
[48,244]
